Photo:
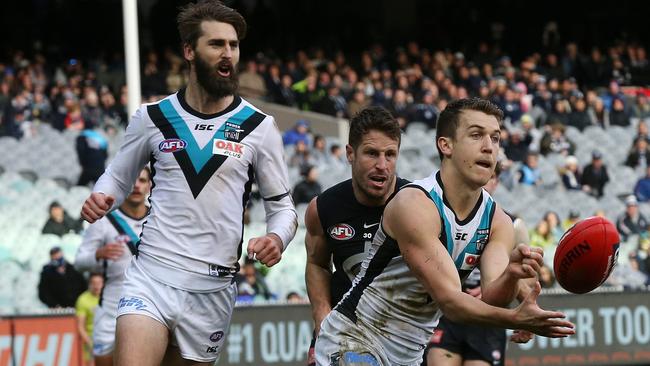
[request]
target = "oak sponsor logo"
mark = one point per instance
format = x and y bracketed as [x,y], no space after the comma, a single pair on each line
[172,145]
[228,148]
[341,232]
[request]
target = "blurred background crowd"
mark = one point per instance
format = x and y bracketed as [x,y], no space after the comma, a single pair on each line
[574,138]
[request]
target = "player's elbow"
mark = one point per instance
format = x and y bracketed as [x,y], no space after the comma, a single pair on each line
[452,306]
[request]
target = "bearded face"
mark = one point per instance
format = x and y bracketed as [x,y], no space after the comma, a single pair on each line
[218,80]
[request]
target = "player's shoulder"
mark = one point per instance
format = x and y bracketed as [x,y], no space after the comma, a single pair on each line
[410,195]
[401,182]
[243,103]
[341,190]
[146,113]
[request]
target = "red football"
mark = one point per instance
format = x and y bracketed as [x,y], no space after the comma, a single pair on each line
[586,255]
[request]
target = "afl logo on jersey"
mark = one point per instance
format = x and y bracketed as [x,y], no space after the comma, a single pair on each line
[172,145]
[341,232]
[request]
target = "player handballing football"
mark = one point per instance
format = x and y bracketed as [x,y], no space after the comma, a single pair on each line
[433,233]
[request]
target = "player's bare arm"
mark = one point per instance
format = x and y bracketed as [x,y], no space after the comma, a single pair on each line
[505,266]
[318,269]
[413,221]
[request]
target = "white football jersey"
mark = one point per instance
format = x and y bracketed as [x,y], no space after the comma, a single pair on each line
[116,227]
[387,296]
[203,167]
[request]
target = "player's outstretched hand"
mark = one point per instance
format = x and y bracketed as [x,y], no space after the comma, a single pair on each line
[96,206]
[525,261]
[266,249]
[110,251]
[529,316]
[521,336]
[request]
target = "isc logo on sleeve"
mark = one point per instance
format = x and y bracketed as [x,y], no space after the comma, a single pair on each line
[227,148]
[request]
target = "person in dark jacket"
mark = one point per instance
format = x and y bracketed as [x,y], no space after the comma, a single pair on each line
[632,222]
[642,187]
[92,150]
[308,188]
[579,118]
[594,175]
[639,155]
[60,283]
[59,222]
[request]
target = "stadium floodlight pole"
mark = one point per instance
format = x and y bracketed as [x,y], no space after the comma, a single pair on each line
[132,52]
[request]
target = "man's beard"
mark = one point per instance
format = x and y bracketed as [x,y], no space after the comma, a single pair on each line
[210,80]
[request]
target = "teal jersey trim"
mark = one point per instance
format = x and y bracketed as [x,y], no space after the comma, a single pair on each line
[199,156]
[126,228]
[437,200]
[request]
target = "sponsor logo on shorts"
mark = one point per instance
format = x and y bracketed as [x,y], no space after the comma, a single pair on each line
[212,349]
[98,347]
[341,232]
[470,261]
[172,145]
[216,336]
[227,148]
[355,358]
[335,358]
[131,302]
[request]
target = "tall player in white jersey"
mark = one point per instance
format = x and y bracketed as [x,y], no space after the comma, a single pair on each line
[206,147]
[432,234]
[108,246]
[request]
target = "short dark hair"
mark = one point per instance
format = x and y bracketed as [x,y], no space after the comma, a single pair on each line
[95,274]
[498,168]
[373,118]
[450,117]
[190,17]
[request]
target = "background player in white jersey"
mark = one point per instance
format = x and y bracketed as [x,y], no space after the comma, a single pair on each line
[206,146]
[430,238]
[108,246]
[352,208]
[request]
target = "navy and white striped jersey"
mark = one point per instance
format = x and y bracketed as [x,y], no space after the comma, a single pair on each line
[387,297]
[203,167]
[116,227]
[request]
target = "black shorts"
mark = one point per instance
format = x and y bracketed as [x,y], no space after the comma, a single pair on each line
[470,341]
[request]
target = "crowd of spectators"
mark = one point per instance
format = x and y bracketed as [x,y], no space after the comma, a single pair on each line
[542,95]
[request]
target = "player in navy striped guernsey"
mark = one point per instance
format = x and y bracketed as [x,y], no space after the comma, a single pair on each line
[433,233]
[206,147]
[342,221]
